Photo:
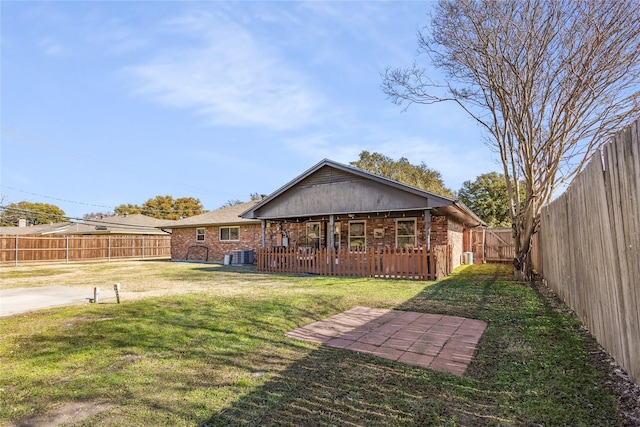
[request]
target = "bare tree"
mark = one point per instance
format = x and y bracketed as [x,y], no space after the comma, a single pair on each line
[549,81]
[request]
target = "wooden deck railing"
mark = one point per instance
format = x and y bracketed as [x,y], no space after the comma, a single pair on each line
[412,264]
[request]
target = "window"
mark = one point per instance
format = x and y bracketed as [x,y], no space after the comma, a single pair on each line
[229,234]
[357,236]
[313,234]
[406,233]
[199,234]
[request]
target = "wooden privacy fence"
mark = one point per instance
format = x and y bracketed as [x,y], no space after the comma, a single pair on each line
[30,249]
[590,247]
[413,264]
[490,244]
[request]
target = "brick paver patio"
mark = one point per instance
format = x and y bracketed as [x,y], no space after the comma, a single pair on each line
[433,341]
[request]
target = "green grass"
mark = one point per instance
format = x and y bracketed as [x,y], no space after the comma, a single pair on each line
[221,357]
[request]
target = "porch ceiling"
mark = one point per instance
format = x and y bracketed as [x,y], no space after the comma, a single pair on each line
[344,216]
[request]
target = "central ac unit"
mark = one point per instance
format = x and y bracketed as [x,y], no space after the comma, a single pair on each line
[242,257]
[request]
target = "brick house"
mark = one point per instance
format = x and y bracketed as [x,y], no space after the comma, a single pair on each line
[340,206]
[127,224]
[212,235]
[329,205]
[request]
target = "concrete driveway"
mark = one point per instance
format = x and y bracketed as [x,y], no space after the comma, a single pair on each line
[22,300]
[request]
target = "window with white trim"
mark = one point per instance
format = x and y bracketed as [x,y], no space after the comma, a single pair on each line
[199,234]
[406,233]
[229,234]
[357,236]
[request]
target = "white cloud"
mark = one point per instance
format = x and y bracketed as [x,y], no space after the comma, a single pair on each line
[318,146]
[51,47]
[228,76]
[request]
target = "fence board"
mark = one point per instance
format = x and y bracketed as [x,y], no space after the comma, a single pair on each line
[590,247]
[20,249]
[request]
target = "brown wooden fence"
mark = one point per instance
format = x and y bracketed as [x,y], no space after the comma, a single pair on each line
[490,244]
[590,247]
[20,249]
[413,264]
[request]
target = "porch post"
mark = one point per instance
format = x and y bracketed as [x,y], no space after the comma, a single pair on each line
[264,234]
[332,229]
[427,226]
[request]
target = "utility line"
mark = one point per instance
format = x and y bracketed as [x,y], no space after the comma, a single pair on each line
[22,138]
[90,204]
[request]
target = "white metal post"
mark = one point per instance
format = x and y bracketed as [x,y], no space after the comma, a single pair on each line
[427,231]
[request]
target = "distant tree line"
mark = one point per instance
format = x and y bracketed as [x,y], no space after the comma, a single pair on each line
[164,207]
[32,213]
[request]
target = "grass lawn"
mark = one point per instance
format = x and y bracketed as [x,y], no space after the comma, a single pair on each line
[216,353]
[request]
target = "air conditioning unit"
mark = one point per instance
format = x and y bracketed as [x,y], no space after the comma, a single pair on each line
[242,257]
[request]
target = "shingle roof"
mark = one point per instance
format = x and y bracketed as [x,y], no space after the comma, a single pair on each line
[34,229]
[116,224]
[120,224]
[224,216]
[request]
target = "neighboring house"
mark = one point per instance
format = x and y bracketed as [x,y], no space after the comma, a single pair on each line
[340,206]
[121,224]
[212,235]
[35,230]
[137,224]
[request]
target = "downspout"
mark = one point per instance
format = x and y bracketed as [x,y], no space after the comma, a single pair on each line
[264,234]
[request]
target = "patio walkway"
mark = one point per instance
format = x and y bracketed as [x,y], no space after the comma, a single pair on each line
[433,341]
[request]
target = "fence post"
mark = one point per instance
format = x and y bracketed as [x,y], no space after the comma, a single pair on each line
[66,249]
[108,248]
[16,260]
[143,246]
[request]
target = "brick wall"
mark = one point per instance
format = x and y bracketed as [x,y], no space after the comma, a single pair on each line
[439,235]
[183,242]
[455,232]
[444,231]
[296,232]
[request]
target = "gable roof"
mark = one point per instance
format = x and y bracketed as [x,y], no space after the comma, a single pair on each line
[120,224]
[229,215]
[335,179]
[116,224]
[34,229]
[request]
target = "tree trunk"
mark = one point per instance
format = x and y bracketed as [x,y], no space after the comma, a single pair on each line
[522,268]
[522,236]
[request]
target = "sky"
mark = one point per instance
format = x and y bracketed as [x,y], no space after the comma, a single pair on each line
[105,103]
